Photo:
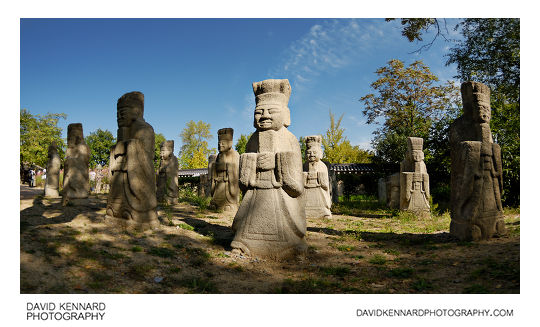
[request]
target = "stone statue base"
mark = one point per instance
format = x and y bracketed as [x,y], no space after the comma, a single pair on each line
[482,228]
[129,217]
[51,193]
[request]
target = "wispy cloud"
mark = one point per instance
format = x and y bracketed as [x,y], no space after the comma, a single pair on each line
[331,45]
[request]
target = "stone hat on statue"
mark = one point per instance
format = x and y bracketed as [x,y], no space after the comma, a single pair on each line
[415,143]
[132,99]
[313,140]
[168,144]
[225,134]
[472,90]
[274,92]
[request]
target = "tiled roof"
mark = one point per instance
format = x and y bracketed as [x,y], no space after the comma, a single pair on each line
[192,172]
[352,168]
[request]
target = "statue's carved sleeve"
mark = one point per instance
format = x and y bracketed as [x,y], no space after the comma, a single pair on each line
[232,171]
[426,185]
[248,167]
[322,176]
[289,165]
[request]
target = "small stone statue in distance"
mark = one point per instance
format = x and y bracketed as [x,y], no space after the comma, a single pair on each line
[414,182]
[476,171]
[316,186]
[271,219]
[132,195]
[225,189]
[167,179]
[53,172]
[76,179]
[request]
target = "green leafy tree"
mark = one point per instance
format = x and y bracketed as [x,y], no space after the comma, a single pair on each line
[489,52]
[241,143]
[37,132]
[337,149]
[195,151]
[158,139]
[100,143]
[406,102]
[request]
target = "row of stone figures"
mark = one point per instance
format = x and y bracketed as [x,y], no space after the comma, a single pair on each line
[476,172]
[277,190]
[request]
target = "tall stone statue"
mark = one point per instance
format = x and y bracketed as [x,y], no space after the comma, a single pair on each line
[167,179]
[224,174]
[316,185]
[476,173]
[53,172]
[271,220]
[132,195]
[76,180]
[414,179]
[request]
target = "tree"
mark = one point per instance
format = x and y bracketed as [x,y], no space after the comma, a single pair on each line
[194,151]
[159,138]
[100,143]
[489,53]
[241,143]
[337,149]
[406,102]
[37,132]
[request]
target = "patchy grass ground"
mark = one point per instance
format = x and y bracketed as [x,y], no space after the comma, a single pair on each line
[74,250]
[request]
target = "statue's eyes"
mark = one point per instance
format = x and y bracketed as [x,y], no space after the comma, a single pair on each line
[258,112]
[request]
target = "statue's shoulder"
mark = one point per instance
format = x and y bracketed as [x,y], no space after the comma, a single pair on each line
[140,127]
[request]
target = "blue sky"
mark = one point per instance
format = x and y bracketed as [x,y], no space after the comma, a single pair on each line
[202,69]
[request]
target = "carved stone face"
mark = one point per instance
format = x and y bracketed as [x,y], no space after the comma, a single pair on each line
[313,154]
[165,153]
[224,145]
[127,114]
[268,117]
[481,109]
[417,155]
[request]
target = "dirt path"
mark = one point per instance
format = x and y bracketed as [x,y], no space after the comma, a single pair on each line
[28,192]
[74,249]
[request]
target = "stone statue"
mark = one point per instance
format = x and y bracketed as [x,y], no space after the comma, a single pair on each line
[392,191]
[476,174]
[167,179]
[99,179]
[53,172]
[271,220]
[225,189]
[76,180]
[414,179]
[132,194]
[316,185]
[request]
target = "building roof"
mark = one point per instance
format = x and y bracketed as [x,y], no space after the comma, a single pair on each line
[192,172]
[352,168]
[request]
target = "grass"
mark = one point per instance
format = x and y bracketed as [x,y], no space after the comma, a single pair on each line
[377,259]
[335,271]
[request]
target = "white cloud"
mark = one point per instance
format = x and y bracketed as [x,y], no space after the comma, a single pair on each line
[331,45]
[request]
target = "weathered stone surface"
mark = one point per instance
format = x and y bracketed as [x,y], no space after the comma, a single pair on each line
[99,179]
[393,191]
[224,173]
[132,195]
[76,180]
[54,164]
[476,173]
[414,179]
[316,183]
[381,189]
[332,179]
[271,220]
[167,179]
